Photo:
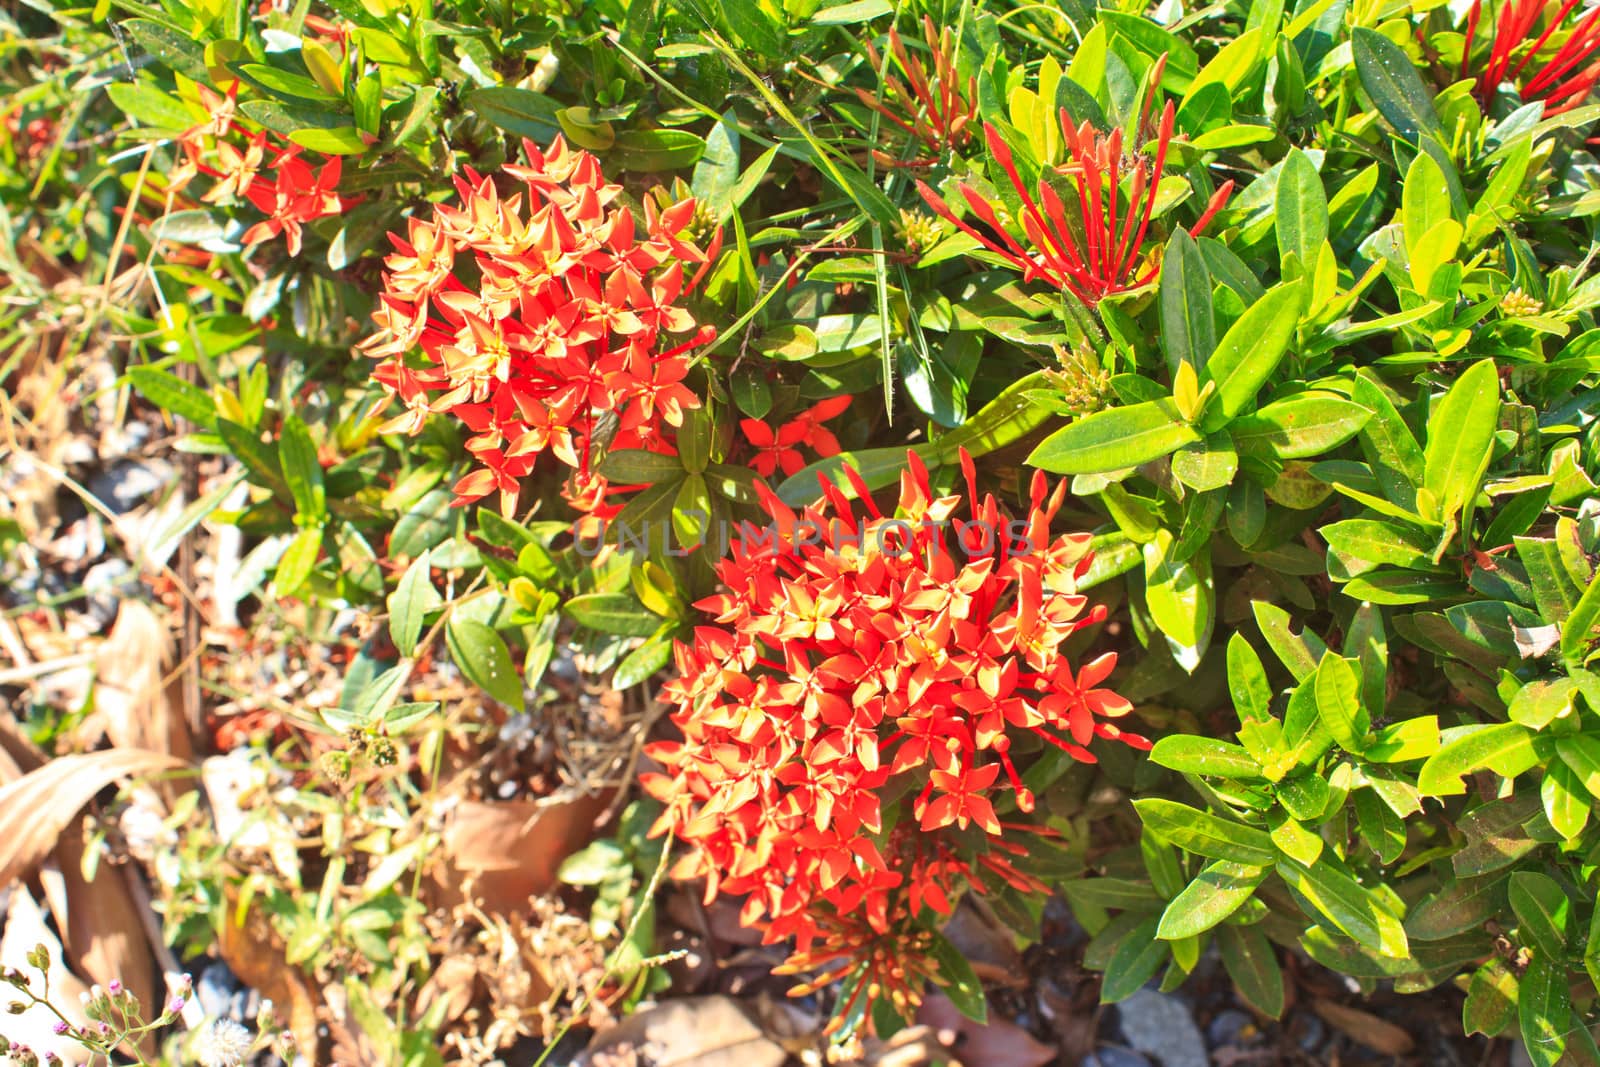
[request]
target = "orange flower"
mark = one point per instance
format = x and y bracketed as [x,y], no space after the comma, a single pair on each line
[571,316]
[847,722]
[297,196]
[777,451]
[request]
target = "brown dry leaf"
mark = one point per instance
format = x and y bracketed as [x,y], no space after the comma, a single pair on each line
[25,927]
[132,705]
[256,953]
[997,1043]
[1364,1028]
[36,808]
[511,850]
[692,1032]
[105,933]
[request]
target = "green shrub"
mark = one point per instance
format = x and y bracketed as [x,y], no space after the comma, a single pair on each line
[1322,368]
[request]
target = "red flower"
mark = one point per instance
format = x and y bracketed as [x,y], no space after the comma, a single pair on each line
[775,451]
[297,196]
[875,662]
[936,109]
[1562,80]
[1107,258]
[571,315]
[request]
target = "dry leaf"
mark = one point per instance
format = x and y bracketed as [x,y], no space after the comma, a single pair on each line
[132,705]
[512,850]
[998,1043]
[692,1032]
[105,933]
[1364,1028]
[36,808]
[25,927]
[256,954]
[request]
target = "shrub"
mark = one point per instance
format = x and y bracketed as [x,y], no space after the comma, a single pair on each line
[1298,299]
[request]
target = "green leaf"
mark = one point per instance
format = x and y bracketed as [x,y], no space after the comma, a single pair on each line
[1462,441]
[1424,202]
[1334,893]
[1252,963]
[644,661]
[1252,349]
[1544,1011]
[958,980]
[1299,652]
[1114,439]
[1205,834]
[1180,597]
[612,613]
[150,106]
[1463,904]
[1491,1000]
[1188,754]
[482,656]
[656,150]
[1392,82]
[1299,426]
[1187,326]
[173,49]
[1505,748]
[1338,691]
[1578,631]
[1134,961]
[412,600]
[302,471]
[172,394]
[519,111]
[852,13]
[1300,210]
[717,172]
[792,342]
[640,466]
[1543,913]
[336,141]
[1206,465]
[297,561]
[1217,892]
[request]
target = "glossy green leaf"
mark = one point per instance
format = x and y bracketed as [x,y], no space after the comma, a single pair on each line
[1114,439]
[1188,331]
[1252,349]
[1504,748]
[1300,209]
[1205,834]
[1220,889]
[412,600]
[1459,448]
[1393,84]
[482,656]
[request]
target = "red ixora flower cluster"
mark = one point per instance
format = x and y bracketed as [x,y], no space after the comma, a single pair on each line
[538,315]
[1563,79]
[276,179]
[1107,259]
[877,661]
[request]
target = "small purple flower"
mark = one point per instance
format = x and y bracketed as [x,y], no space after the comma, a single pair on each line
[175,1005]
[61,1028]
[114,988]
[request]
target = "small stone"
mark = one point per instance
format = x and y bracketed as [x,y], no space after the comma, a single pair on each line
[128,483]
[1161,1026]
[1113,1057]
[1309,1032]
[104,586]
[1231,1027]
[217,987]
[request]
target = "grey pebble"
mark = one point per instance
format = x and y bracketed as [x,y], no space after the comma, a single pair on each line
[128,483]
[1113,1057]
[1162,1027]
[1230,1027]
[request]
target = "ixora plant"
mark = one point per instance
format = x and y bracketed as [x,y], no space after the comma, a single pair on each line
[1296,301]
